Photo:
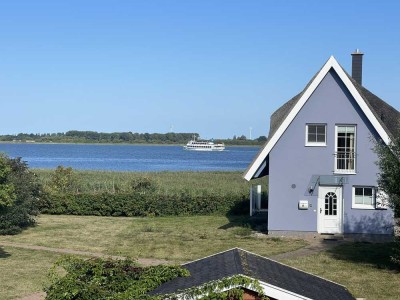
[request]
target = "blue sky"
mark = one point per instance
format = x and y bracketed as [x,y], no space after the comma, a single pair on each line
[212,67]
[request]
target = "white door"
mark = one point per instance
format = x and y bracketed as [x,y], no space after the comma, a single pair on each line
[330,209]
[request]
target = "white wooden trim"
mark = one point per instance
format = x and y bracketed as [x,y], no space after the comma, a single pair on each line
[340,171]
[363,206]
[279,293]
[315,144]
[268,289]
[330,64]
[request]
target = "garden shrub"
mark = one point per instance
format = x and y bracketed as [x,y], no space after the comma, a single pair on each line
[97,278]
[20,194]
[143,204]
[106,279]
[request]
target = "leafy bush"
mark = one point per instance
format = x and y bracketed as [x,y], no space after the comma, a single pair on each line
[63,180]
[143,204]
[20,192]
[106,279]
[143,194]
[77,278]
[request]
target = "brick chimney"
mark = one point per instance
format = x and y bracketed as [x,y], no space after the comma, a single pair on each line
[356,68]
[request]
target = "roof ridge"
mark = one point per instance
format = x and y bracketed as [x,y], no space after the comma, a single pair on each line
[211,255]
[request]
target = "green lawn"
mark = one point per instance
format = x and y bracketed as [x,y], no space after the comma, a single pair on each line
[23,271]
[364,268]
[178,239]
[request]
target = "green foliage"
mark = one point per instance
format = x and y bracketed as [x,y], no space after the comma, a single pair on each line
[143,184]
[77,278]
[7,195]
[221,289]
[106,279]
[148,194]
[63,180]
[97,182]
[94,137]
[389,175]
[139,203]
[389,180]
[20,193]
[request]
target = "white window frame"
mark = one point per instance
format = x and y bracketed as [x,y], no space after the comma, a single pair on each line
[315,144]
[345,171]
[363,206]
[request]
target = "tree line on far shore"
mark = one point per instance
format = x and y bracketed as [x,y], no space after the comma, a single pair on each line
[75,136]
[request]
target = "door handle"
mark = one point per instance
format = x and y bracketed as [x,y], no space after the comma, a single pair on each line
[320,210]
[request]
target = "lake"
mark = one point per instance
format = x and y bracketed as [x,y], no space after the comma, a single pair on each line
[129,157]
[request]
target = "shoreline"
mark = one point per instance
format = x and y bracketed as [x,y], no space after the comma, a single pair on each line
[111,144]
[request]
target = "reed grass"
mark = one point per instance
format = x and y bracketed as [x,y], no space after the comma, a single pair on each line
[218,183]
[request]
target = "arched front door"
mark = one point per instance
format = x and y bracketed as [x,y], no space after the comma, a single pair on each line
[330,203]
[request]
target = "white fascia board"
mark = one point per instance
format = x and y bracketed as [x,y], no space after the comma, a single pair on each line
[279,293]
[285,124]
[361,102]
[268,290]
[331,63]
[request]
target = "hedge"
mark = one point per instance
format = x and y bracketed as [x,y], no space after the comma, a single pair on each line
[143,204]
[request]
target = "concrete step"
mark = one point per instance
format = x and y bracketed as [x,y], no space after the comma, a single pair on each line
[332,236]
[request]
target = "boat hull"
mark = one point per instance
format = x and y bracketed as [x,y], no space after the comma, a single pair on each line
[200,149]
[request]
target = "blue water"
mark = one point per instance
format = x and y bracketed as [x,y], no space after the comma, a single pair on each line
[129,157]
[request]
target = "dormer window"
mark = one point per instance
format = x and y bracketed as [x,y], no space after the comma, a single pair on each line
[316,135]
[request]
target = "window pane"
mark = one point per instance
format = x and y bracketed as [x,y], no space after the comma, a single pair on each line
[341,142]
[345,129]
[321,138]
[368,200]
[358,199]
[359,191]
[312,129]
[316,133]
[320,129]
[368,191]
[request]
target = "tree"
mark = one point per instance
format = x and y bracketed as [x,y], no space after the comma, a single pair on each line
[389,176]
[20,194]
[262,138]
[389,180]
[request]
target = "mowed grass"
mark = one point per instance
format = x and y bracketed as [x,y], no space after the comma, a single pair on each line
[218,183]
[364,268]
[23,271]
[178,239]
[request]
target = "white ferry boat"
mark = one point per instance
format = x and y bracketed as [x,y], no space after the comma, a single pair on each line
[204,146]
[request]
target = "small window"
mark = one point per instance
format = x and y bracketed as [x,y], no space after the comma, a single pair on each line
[364,197]
[316,135]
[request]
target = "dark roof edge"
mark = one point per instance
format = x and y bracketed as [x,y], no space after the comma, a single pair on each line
[275,261]
[208,256]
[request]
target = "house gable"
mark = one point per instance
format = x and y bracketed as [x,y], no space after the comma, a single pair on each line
[290,110]
[277,280]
